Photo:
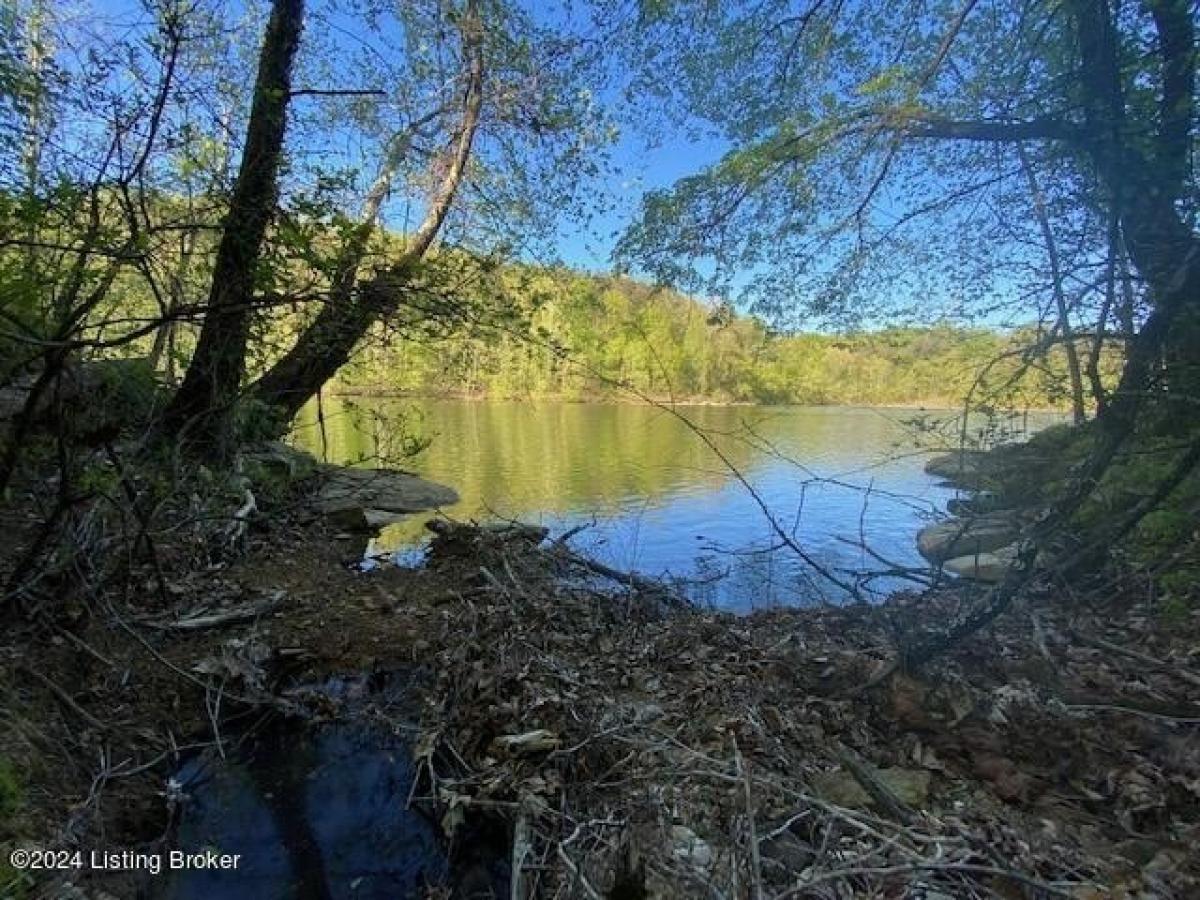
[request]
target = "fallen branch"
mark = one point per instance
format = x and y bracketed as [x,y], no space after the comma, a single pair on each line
[630,579]
[66,699]
[235,616]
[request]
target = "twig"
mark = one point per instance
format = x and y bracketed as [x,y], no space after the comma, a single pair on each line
[1162,665]
[632,579]
[229,617]
[575,873]
[1134,711]
[756,885]
[522,846]
[67,699]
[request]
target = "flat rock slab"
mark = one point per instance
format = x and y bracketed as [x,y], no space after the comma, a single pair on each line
[966,537]
[990,567]
[366,499]
[282,458]
[949,465]
[963,468]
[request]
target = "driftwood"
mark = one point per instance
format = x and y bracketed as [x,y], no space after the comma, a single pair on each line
[462,539]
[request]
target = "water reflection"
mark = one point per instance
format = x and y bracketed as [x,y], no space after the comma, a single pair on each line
[663,502]
[313,815]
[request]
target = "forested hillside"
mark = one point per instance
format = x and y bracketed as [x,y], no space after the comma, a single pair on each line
[575,336]
[623,650]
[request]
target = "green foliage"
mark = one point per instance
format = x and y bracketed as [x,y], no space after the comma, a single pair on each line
[575,336]
[257,421]
[1165,543]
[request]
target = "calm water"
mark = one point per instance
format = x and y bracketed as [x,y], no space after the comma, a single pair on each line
[662,502]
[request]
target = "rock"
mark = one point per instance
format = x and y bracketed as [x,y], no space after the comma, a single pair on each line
[282,459]
[979,503]
[964,467]
[376,519]
[537,741]
[962,537]
[990,567]
[365,499]
[911,787]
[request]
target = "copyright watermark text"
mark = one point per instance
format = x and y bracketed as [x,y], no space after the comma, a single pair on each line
[121,860]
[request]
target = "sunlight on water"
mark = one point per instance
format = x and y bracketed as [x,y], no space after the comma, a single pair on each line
[662,501]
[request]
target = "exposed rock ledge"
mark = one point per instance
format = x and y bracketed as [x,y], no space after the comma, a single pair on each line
[968,537]
[991,567]
[982,542]
[962,467]
[359,500]
[368,499]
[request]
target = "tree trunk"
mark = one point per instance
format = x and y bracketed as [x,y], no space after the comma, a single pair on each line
[1161,245]
[202,411]
[1056,286]
[326,345]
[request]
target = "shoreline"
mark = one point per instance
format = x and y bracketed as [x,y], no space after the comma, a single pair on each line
[618,400]
[539,704]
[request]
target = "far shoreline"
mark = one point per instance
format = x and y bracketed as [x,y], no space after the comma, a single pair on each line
[373,393]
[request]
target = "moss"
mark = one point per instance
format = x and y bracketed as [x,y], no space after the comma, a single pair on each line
[1165,542]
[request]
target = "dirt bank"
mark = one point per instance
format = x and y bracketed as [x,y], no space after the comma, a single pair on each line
[624,744]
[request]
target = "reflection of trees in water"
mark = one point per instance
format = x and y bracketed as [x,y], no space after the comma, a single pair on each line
[315,814]
[619,463]
[537,458]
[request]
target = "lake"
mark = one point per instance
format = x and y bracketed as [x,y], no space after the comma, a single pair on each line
[654,496]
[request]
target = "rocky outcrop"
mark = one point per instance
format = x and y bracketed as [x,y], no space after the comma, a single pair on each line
[991,567]
[281,460]
[967,537]
[368,499]
[357,500]
[981,542]
[966,468]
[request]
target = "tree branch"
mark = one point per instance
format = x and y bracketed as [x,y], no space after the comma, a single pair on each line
[1045,128]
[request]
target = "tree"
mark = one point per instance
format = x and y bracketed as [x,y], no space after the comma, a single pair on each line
[202,410]
[857,137]
[326,344]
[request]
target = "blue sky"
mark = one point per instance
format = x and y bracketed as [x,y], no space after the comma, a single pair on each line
[648,154]
[645,164]
[652,152]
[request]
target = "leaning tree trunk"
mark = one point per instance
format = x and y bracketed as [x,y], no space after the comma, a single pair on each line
[1162,246]
[1056,286]
[325,345]
[201,412]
